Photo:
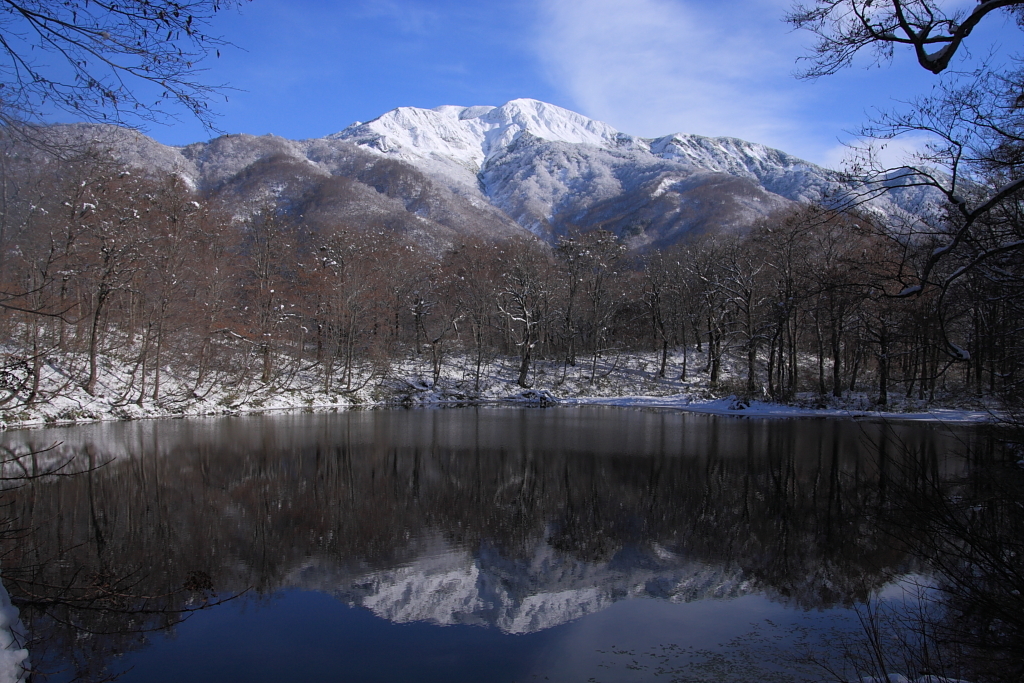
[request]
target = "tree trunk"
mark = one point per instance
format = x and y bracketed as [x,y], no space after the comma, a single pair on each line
[715,358]
[837,389]
[751,365]
[94,332]
[478,338]
[268,364]
[524,366]
[821,357]
[682,375]
[158,359]
[883,367]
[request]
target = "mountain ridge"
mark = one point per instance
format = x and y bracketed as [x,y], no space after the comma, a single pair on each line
[524,166]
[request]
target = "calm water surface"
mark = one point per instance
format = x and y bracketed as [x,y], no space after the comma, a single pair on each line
[572,544]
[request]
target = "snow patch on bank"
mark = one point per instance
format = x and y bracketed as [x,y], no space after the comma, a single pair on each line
[736,407]
[14,662]
[626,380]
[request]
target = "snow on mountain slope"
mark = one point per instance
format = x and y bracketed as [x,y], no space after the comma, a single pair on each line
[550,187]
[222,158]
[469,136]
[548,168]
[473,137]
[778,172]
[107,142]
[495,172]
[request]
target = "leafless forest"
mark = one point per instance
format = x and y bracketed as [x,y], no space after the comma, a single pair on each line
[104,266]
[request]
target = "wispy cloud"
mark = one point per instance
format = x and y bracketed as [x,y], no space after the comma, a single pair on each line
[905,150]
[652,67]
[408,17]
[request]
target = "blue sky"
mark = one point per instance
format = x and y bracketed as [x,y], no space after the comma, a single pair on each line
[308,68]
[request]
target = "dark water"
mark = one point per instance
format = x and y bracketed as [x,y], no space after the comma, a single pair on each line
[570,544]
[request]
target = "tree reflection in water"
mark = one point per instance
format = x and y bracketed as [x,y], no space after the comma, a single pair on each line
[594,501]
[970,529]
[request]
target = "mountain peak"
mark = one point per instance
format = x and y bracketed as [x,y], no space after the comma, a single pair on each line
[551,122]
[471,135]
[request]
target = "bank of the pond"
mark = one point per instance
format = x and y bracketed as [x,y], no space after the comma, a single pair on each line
[69,412]
[735,406]
[61,401]
[14,662]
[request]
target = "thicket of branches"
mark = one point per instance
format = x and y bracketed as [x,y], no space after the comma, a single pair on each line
[972,126]
[122,61]
[102,265]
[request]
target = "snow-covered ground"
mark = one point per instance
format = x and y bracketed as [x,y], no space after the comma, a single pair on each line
[619,380]
[14,664]
[734,406]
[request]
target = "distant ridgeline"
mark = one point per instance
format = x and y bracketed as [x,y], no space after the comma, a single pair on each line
[139,272]
[490,172]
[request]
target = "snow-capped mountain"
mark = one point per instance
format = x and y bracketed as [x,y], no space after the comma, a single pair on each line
[461,140]
[465,141]
[550,168]
[495,171]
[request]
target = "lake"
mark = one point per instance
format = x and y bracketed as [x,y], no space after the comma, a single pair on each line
[494,544]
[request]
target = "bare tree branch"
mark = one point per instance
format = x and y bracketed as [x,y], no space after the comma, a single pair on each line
[118,62]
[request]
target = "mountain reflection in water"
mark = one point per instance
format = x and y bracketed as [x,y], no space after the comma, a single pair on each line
[515,519]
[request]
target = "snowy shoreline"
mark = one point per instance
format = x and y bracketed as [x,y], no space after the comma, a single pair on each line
[623,382]
[727,407]
[735,407]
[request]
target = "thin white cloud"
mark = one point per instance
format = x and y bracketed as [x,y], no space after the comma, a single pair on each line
[652,67]
[409,18]
[906,150]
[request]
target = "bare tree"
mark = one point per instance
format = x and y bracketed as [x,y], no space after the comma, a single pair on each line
[974,124]
[848,27]
[523,300]
[113,235]
[266,243]
[704,271]
[657,290]
[749,300]
[589,262]
[106,61]
[473,266]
